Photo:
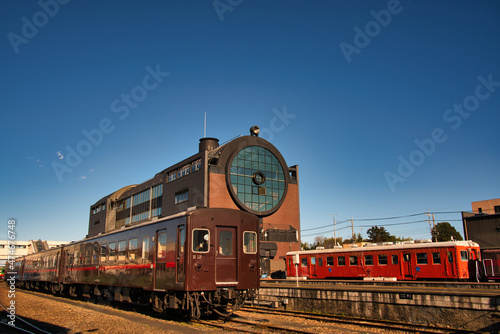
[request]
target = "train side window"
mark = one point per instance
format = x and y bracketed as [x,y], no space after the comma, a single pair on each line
[436,258]
[162,244]
[464,255]
[353,260]
[112,252]
[369,260]
[320,262]
[421,258]
[122,247]
[329,261]
[104,252]
[450,257]
[395,259]
[341,260]
[145,249]
[88,254]
[132,248]
[313,261]
[304,262]
[249,242]
[406,257]
[382,259]
[95,252]
[201,238]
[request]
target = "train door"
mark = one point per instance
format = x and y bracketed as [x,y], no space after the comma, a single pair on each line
[160,275]
[181,243]
[312,270]
[407,265]
[451,263]
[225,259]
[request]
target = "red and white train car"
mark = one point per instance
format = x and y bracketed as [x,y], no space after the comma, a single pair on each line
[426,261]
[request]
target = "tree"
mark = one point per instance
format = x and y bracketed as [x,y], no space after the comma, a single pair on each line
[379,234]
[444,231]
[305,246]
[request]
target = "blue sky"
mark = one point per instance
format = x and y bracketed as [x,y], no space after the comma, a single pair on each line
[389,108]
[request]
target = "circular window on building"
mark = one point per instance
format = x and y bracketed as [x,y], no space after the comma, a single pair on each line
[257,179]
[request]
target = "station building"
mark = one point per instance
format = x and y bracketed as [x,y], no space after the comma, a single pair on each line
[247,173]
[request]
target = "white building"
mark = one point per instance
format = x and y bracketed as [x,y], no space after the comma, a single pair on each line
[25,248]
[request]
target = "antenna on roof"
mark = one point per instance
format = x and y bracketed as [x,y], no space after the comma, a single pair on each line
[205,126]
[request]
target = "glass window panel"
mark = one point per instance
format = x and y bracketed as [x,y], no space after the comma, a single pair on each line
[250,242]
[226,243]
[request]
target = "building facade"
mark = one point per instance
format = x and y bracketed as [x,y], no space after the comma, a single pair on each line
[490,206]
[247,173]
[483,227]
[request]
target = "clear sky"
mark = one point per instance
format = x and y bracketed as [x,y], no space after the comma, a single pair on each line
[390,108]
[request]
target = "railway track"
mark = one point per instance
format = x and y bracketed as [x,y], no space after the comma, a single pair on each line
[379,324]
[21,325]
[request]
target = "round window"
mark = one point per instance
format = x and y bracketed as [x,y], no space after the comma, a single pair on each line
[257,180]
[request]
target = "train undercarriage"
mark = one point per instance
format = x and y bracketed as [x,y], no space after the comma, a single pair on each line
[192,304]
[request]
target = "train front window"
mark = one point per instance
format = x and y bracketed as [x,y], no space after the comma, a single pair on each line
[201,238]
[464,255]
[249,242]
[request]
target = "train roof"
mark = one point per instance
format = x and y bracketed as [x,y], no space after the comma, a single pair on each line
[468,243]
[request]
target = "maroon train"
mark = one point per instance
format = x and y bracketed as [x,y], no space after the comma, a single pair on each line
[199,261]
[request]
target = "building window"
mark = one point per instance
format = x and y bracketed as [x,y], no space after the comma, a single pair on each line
[184,171]
[182,196]
[196,166]
[172,176]
[480,210]
[257,179]
[497,208]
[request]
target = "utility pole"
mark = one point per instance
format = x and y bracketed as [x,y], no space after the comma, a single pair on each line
[334,230]
[431,224]
[352,228]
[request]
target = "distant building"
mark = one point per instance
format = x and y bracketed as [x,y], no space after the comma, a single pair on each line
[25,247]
[483,227]
[490,206]
[247,173]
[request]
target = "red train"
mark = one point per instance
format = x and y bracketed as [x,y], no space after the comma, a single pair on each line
[453,260]
[199,261]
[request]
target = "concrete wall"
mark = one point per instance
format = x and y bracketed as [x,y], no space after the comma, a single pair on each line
[454,310]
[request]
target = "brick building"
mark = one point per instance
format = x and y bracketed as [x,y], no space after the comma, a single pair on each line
[247,173]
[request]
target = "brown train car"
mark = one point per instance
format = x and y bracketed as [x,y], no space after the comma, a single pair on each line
[200,261]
